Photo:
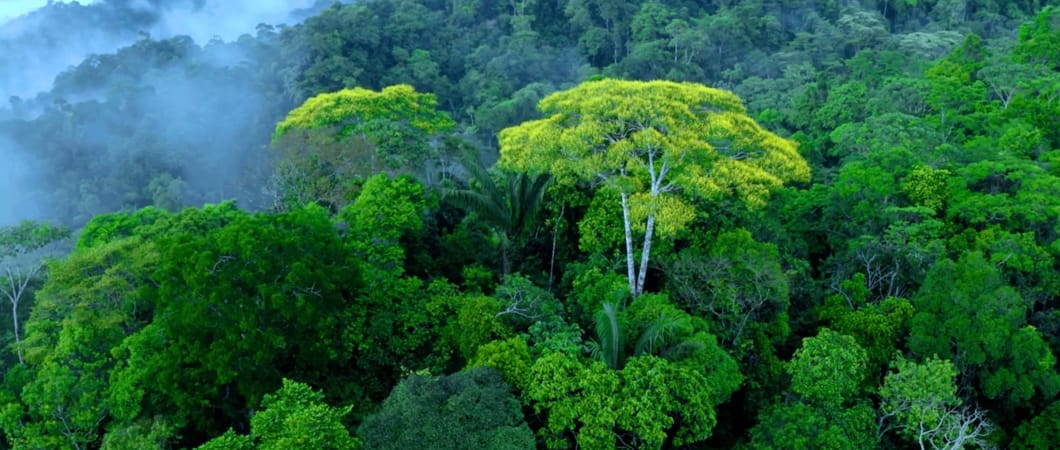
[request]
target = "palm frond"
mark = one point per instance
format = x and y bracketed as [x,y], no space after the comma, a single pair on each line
[482,203]
[609,333]
[662,331]
[528,193]
[683,349]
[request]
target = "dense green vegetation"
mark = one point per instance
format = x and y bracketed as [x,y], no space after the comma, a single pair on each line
[476,224]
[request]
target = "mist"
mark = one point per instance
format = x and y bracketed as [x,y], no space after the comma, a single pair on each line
[225,19]
[118,104]
[38,44]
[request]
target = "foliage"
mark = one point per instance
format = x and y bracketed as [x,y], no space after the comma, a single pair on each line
[397,123]
[904,296]
[472,409]
[510,208]
[921,400]
[669,372]
[828,368]
[802,426]
[295,416]
[967,314]
[646,140]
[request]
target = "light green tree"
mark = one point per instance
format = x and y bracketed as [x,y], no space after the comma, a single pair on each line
[647,141]
[919,401]
[828,368]
[293,417]
[656,377]
[81,315]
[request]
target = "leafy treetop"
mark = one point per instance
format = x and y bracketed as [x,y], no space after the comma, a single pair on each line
[360,110]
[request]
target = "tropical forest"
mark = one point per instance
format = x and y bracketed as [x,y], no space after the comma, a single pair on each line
[530,224]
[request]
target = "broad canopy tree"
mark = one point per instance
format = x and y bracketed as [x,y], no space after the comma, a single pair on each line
[657,144]
[352,134]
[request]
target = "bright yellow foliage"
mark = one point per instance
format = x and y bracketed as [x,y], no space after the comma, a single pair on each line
[352,108]
[606,129]
[671,213]
[650,140]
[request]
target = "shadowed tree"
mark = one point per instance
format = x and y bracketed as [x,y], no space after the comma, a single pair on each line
[509,206]
[473,409]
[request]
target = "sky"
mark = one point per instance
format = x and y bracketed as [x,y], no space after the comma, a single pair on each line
[14,8]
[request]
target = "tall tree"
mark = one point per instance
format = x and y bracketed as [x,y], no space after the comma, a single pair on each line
[648,141]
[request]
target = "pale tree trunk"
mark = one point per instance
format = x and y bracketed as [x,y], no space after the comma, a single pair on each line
[629,246]
[657,176]
[555,236]
[645,254]
[16,287]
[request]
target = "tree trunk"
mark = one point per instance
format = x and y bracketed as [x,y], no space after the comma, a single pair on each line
[645,255]
[18,341]
[555,236]
[629,246]
[17,285]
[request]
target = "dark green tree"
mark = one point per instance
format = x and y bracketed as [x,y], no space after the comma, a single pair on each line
[473,409]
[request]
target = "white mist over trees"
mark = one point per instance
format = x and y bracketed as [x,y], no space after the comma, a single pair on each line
[117,104]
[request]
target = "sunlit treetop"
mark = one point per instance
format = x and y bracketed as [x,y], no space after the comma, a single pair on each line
[359,110]
[618,129]
[650,141]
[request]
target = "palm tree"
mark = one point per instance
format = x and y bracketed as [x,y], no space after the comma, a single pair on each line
[508,208]
[668,335]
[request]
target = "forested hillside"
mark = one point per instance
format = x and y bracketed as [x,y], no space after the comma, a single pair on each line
[761,224]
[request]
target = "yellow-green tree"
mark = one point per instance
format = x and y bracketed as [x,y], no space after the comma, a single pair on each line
[656,144]
[352,134]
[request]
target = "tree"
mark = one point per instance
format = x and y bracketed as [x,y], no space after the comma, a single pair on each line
[473,409]
[804,426]
[355,132]
[1042,432]
[648,140]
[828,369]
[826,375]
[386,118]
[649,326]
[509,207]
[92,301]
[295,416]
[966,313]
[738,284]
[920,401]
[241,302]
[649,402]
[17,244]
[661,387]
